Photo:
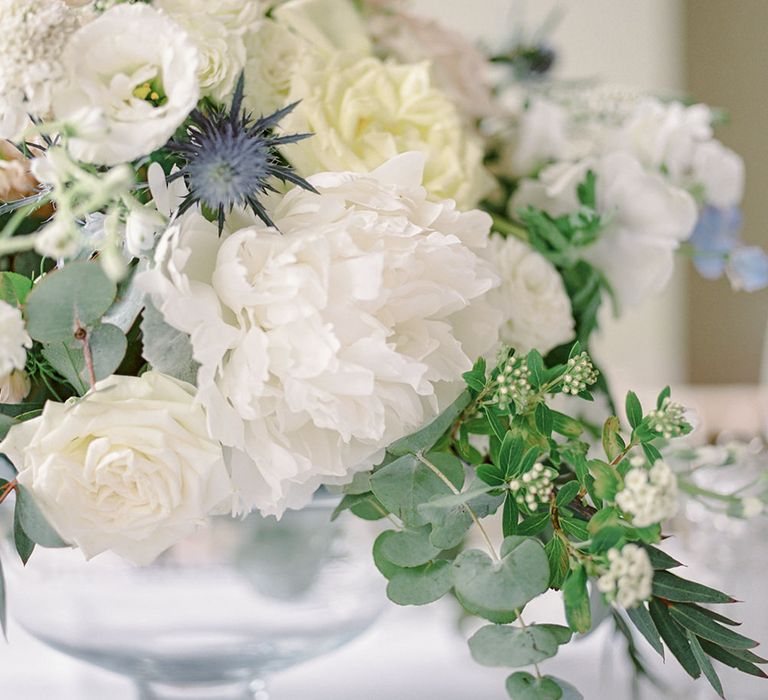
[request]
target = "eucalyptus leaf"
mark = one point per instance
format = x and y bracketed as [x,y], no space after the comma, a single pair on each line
[158,337]
[24,545]
[523,686]
[76,295]
[497,590]
[408,548]
[421,585]
[503,645]
[34,523]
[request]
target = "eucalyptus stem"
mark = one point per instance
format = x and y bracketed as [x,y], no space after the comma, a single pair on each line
[456,492]
[508,228]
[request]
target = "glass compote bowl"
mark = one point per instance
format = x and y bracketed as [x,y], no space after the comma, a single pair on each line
[216,613]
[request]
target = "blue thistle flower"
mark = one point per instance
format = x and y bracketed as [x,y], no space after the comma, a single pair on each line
[229,158]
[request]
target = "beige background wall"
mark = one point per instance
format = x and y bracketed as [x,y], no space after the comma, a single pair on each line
[727,65]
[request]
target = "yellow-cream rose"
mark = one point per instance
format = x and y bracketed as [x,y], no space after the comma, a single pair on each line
[128,468]
[364,111]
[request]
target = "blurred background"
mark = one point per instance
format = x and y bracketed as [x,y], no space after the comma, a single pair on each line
[711,51]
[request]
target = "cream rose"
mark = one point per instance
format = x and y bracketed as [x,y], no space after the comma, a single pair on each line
[531,297]
[363,111]
[14,339]
[128,468]
[131,77]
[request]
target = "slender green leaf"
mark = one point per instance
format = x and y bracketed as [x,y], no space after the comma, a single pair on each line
[567,493]
[613,443]
[634,409]
[729,658]
[510,516]
[557,553]
[675,637]
[704,626]
[576,599]
[660,559]
[644,623]
[24,545]
[680,590]
[705,664]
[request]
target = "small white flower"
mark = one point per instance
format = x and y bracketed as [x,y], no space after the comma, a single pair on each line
[720,173]
[531,297]
[649,496]
[137,90]
[128,468]
[14,339]
[629,578]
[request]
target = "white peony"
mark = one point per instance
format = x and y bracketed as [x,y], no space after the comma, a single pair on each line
[644,219]
[217,28]
[531,297]
[321,344]
[363,111]
[131,77]
[128,468]
[14,339]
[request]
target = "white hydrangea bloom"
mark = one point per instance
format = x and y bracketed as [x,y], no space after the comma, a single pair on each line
[320,345]
[644,219]
[649,495]
[629,578]
[34,34]
[14,339]
[531,297]
[124,99]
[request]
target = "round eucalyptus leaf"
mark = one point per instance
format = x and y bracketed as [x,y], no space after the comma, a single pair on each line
[421,585]
[386,567]
[497,590]
[409,548]
[502,645]
[524,686]
[76,295]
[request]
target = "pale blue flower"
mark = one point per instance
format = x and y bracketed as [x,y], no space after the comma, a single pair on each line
[747,268]
[715,236]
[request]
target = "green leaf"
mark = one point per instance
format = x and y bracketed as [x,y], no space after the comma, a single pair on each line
[409,548]
[6,423]
[576,599]
[77,294]
[569,692]
[360,484]
[490,474]
[475,378]
[575,528]
[704,626]
[535,363]
[680,590]
[634,410]
[543,418]
[651,453]
[567,493]
[425,438]
[523,686]
[386,567]
[24,545]
[108,345]
[557,553]
[613,443]
[156,337]
[705,664]
[502,645]
[33,521]
[364,505]
[14,288]
[665,394]
[497,590]
[675,637]
[644,623]
[510,516]
[731,658]
[533,524]
[403,485]
[421,585]
[607,480]
[660,559]
[495,422]
[3,605]
[565,425]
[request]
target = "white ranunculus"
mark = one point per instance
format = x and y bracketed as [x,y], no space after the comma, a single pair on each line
[128,468]
[364,111]
[14,339]
[532,297]
[720,173]
[131,76]
[321,344]
[219,39]
[645,219]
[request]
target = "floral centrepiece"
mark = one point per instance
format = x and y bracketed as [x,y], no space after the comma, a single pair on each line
[252,249]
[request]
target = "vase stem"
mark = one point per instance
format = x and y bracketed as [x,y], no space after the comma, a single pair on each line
[239,690]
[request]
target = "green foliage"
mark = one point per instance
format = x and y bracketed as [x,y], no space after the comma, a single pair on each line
[576,600]
[523,686]
[420,585]
[14,288]
[157,337]
[33,523]
[513,647]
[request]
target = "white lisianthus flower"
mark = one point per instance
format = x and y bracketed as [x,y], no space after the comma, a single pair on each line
[217,28]
[719,172]
[363,111]
[321,344]
[14,339]
[14,387]
[131,77]
[128,468]
[645,219]
[535,307]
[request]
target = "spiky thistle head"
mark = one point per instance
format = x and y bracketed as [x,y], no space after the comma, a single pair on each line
[229,158]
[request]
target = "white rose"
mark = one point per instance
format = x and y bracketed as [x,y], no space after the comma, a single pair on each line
[320,345]
[14,387]
[14,339]
[644,219]
[325,25]
[720,173]
[131,75]
[128,468]
[219,40]
[363,111]
[532,297]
